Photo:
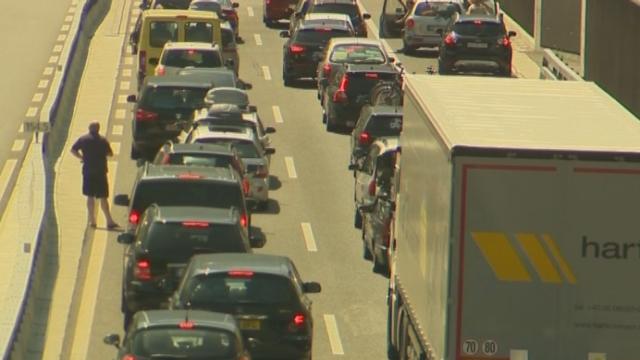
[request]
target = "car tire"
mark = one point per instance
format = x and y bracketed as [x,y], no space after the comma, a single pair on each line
[406,49]
[443,70]
[378,266]
[366,253]
[506,72]
[128,316]
[135,153]
[357,220]
[329,125]
[286,78]
[262,205]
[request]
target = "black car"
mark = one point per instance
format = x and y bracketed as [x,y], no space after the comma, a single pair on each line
[264,292]
[180,185]
[164,107]
[349,89]
[374,122]
[348,7]
[178,334]
[476,44]
[304,49]
[163,243]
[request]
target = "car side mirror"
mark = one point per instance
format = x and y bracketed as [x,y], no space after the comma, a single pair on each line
[511,33]
[235,5]
[229,63]
[353,167]
[311,287]
[284,34]
[269,151]
[392,59]
[246,86]
[257,242]
[126,238]
[153,61]
[112,339]
[121,199]
[269,130]
[366,16]
[131,99]
[253,108]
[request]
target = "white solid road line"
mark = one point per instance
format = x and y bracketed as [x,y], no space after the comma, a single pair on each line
[277,115]
[258,39]
[250,11]
[18,145]
[5,175]
[117,130]
[334,335]
[266,72]
[309,239]
[89,297]
[291,169]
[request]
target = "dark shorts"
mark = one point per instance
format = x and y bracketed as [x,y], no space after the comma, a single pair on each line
[95,185]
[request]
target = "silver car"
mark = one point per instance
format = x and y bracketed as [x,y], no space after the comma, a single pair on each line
[425,22]
[181,55]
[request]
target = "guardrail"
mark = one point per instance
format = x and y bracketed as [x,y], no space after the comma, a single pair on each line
[16,343]
[553,68]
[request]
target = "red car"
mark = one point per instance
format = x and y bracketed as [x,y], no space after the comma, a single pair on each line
[275,10]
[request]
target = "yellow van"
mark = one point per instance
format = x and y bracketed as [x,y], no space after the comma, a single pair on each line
[157,26]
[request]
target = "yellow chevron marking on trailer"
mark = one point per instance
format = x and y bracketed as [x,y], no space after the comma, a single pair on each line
[501,256]
[555,252]
[539,258]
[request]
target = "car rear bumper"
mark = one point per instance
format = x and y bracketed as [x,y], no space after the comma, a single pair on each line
[475,62]
[344,115]
[287,348]
[301,69]
[276,13]
[431,40]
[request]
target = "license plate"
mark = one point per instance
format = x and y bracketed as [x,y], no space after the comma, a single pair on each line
[246,324]
[477,45]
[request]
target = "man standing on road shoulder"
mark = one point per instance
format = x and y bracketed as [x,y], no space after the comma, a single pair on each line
[93,149]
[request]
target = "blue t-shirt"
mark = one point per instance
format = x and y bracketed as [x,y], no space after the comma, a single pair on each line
[94,149]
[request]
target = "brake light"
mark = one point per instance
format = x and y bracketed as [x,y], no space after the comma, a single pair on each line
[364,138]
[298,319]
[240,273]
[296,49]
[142,58]
[189,176]
[134,217]
[450,40]
[372,188]
[160,70]
[245,186]
[477,22]
[195,224]
[297,322]
[262,172]
[144,115]
[371,75]
[505,41]
[326,70]
[268,2]
[143,270]
[341,94]
[410,24]
[244,220]
[129,357]
[186,325]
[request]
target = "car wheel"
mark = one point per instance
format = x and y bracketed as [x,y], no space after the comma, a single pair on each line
[378,266]
[262,205]
[357,220]
[128,316]
[506,72]
[135,153]
[443,70]
[406,49]
[329,125]
[286,78]
[366,253]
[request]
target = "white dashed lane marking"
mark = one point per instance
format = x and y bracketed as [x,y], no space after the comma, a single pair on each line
[68,18]
[65,28]
[37,97]
[31,112]
[53,59]
[125,85]
[277,115]
[250,11]
[258,39]
[57,49]
[266,72]
[115,146]
[291,169]
[126,72]
[128,60]
[120,114]
[117,130]
[18,145]
[122,99]
[309,240]
[43,84]
[334,335]
[61,37]
[48,70]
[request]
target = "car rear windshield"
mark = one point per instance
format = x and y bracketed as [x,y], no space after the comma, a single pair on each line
[170,98]
[357,54]
[196,343]
[361,83]
[190,236]
[434,8]
[479,28]
[179,192]
[246,149]
[191,57]
[200,159]
[335,8]
[198,31]
[384,125]
[162,31]
[172,4]
[319,35]
[244,287]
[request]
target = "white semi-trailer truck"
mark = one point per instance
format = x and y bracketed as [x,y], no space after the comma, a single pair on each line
[517,225]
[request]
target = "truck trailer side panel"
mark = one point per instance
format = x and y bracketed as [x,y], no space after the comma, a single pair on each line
[545,260]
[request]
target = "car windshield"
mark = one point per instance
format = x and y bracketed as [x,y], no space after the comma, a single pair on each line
[384,125]
[246,149]
[191,57]
[319,35]
[169,98]
[198,343]
[335,8]
[198,31]
[357,54]
[199,159]
[242,287]
[479,28]
[434,8]
[174,192]
[182,239]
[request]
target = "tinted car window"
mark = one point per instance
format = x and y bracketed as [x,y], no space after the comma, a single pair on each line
[187,193]
[182,238]
[357,54]
[162,31]
[197,343]
[198,31]
[479,28]
[319,35]
[190,57]
[246,288]
[173,98]
[246,149]
[384,125]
